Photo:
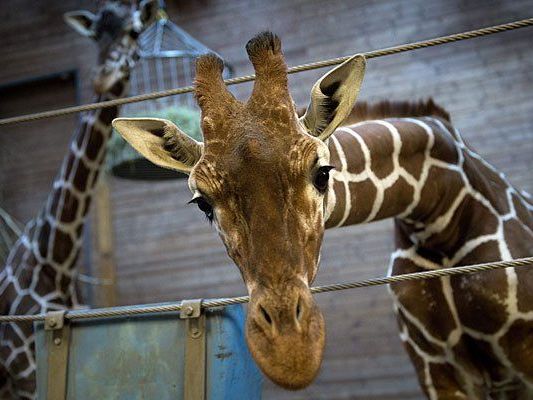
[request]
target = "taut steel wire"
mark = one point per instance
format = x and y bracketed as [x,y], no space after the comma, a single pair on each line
[211,303]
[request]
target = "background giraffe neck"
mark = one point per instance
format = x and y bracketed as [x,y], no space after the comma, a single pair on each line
[419,171]
[59,226]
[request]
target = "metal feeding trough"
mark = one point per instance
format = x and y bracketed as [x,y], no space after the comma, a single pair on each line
[167,57]
[189,355]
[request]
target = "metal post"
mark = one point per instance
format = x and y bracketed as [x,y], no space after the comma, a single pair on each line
[195,343]
[57,338]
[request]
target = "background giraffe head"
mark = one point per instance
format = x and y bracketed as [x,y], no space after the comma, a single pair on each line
[115,28]
[261,176]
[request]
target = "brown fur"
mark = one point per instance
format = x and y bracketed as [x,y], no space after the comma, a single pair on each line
[209,85]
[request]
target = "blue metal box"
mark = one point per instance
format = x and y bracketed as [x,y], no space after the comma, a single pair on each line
[142,357]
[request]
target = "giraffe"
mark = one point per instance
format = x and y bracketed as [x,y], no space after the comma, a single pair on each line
[272,181]
[40,274]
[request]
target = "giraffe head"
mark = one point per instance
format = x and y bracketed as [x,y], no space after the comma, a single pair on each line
[261,176]
[115,28]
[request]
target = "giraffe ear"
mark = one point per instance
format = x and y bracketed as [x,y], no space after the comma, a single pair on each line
[81,21]
[161,142]
[333,97]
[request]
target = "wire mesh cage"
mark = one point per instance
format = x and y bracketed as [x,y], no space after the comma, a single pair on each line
[167,57]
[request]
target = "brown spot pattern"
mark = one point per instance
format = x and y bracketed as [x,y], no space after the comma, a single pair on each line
[70,207]
[481,297]
[82,174]
[425,300]
[96,139]
[63,246]
[380,144]
[517,344]
[355,159]
[445,381]
[488,183]
[412,155]
[471,220]
[524,289]
[418,363]
[362,202]
[513,229]
[434,201]
[522,213]
[108,114]
[416,336]
[44,234]
[444,147]
[396,199]
[478,355]
[337,212]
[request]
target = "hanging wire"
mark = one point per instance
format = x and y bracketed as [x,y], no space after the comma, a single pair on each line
[299,68]
[211,303]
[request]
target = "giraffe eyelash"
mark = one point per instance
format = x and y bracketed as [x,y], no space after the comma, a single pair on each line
[204,206]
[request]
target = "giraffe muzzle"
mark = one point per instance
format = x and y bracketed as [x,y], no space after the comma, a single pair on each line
[285,333]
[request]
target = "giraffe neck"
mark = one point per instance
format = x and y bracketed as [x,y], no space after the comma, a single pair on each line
[59,226]
[420,172]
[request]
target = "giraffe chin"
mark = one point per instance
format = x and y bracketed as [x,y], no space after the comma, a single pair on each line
[290,356]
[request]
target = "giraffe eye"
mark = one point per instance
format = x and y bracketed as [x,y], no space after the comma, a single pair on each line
[321,179]
[204,206]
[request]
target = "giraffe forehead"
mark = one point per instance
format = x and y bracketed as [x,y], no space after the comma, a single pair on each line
[256,161]
[112,17]
[235,123]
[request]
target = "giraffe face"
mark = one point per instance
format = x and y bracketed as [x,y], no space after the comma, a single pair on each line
[261,176]
[264,192]
[115,29]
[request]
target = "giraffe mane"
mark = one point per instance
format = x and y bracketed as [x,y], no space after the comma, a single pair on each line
[364,111]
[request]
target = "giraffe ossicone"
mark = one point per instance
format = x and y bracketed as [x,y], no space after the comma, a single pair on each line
[259,176]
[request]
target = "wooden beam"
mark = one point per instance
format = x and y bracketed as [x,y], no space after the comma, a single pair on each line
[105,267]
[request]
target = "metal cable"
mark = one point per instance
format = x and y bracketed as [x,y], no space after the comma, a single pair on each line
[210,303]
[299,68]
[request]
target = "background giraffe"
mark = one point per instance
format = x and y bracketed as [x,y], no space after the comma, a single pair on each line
[263,177]
[40,273]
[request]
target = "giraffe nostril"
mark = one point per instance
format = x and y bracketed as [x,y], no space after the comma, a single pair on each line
[299,310]
[265,315]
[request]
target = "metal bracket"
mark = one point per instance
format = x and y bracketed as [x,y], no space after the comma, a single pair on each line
[195,343]
[57,338]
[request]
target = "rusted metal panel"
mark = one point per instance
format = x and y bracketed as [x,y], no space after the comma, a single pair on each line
[143,358]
